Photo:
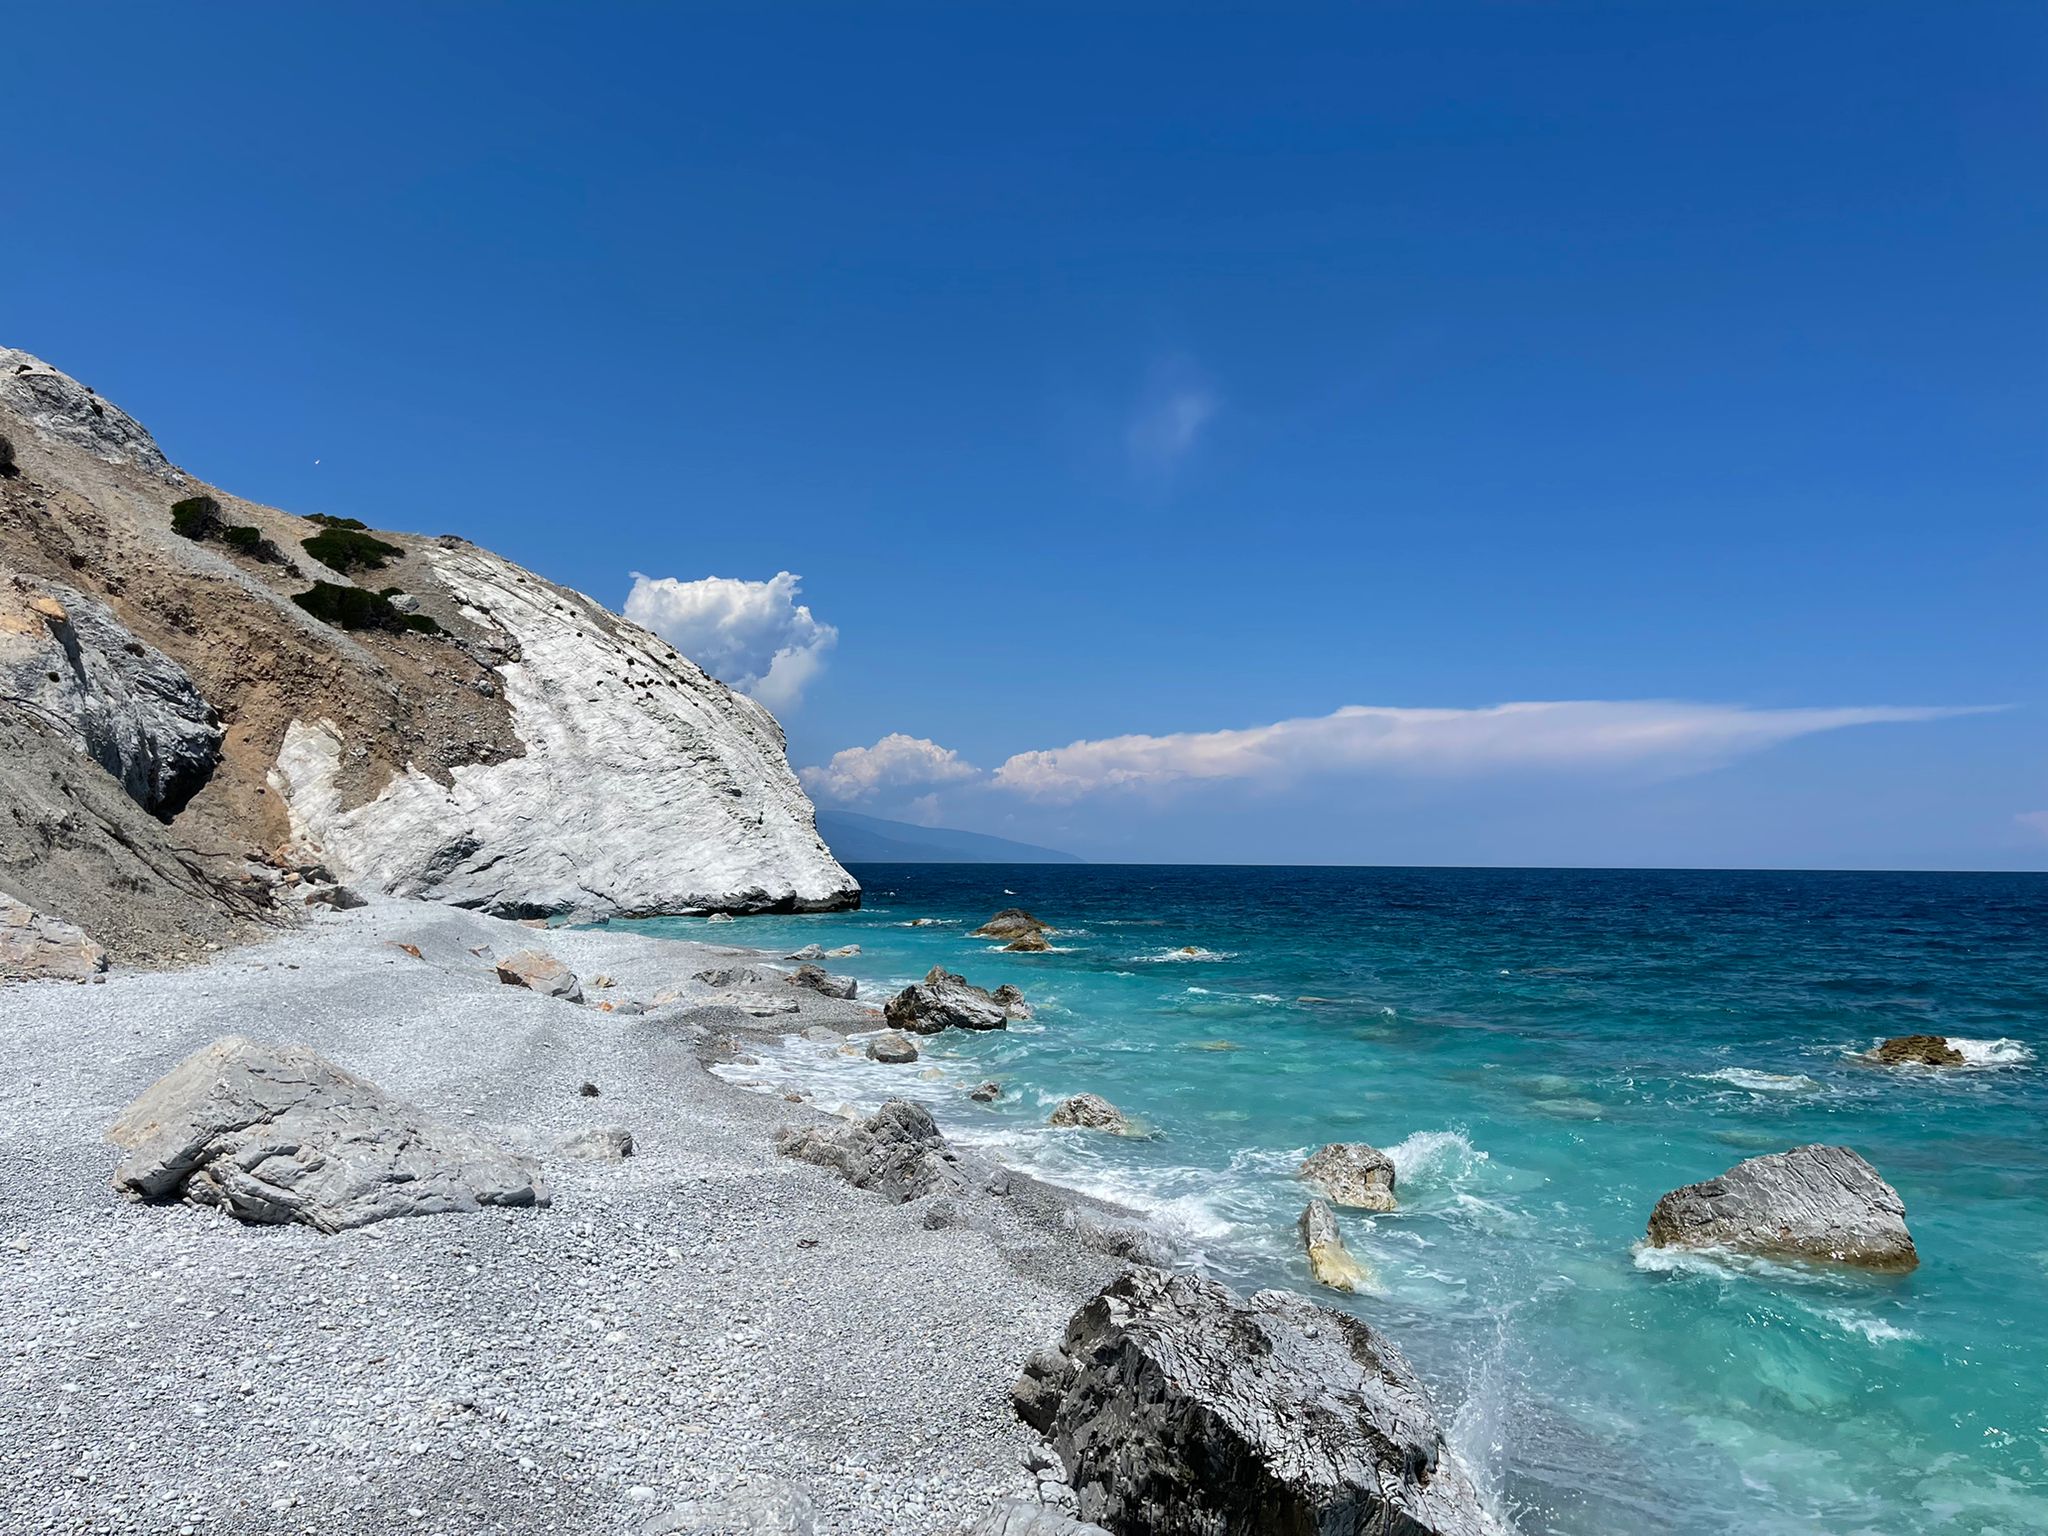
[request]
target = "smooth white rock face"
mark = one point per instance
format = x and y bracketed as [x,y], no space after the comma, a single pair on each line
[647,786]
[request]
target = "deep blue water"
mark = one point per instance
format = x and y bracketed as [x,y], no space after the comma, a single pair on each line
[1544,1053]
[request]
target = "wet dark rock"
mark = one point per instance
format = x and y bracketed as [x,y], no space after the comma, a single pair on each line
[1177,1406]
[1820,1204]
[944,1001]
[1918,1050]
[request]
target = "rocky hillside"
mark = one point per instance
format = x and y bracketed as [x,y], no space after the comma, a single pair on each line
[262,691]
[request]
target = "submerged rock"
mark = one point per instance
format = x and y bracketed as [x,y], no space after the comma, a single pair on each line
[1352,1173]
[1027,944]
[34,947]
[1012,923]
[126,705]
[1816,1203]
[1918,1050]
[538,971]
[1329,1261]
[892,1046]
[1091,1112]
[1177,1406]
[897,1151]
[824,983]
[275,1134]
[986,1093]
[944,1001]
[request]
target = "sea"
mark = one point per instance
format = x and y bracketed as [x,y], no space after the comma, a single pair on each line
[1543,1054]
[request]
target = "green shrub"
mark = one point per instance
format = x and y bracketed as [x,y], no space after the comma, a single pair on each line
[356,608]
[196,517]
[337,522]
[350,549]
[245,540]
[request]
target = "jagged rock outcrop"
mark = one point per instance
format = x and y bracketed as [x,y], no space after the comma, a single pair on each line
[1329,1261]
[1011,1001]
[38,948]
[645,786]
[1352,1173]
[56,405]
[1180,1409]
[945,1001]
[275,1134]
[1012,923]
[492,740]
[1027,944]
[1091,1112]
[65,658]
[816,979]
[1919,1051]
[1819,1204]
[897,1151]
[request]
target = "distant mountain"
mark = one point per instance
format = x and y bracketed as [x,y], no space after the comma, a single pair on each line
[856,839]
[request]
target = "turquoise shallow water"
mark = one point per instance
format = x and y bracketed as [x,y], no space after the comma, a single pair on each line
[1544,1054]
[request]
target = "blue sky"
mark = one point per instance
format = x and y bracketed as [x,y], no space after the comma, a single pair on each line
[1106,372]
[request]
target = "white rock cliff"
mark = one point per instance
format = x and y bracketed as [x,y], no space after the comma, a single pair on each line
[646,786]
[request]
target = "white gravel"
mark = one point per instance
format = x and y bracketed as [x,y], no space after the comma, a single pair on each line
[699,1315]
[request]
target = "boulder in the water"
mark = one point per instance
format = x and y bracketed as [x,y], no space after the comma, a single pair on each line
[1012,923]
[1027,944]
[1092,1112]
[1352,1173]
[893,1047]
[276,1133]
[944,1001]
[1329,1261]
[1917,1050]
[1177,1406]
[986,1093]
[1820,1204]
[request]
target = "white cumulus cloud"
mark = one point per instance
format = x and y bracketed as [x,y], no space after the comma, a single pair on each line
[896,762]
[754,635]
[1590,734]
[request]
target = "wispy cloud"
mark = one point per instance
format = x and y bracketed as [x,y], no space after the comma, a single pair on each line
[1671,737]
[2038,820]
[895,763]
[754,635]
[1175,407]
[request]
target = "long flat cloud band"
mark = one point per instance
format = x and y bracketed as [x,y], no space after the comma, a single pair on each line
[1563,735]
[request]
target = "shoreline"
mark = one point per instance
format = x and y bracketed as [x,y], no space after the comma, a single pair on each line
[703,1314]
